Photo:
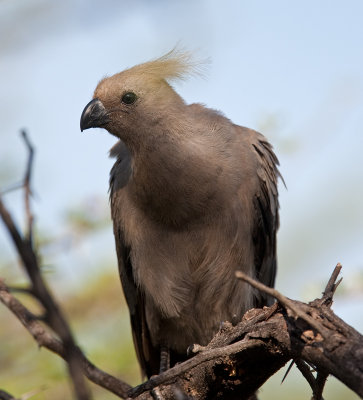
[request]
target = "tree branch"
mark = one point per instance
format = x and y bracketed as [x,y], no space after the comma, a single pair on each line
[30,263]
[27,190]
[230,366]
[283,300]
[45,339]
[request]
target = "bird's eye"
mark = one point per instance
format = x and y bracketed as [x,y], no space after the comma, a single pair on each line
[129,98]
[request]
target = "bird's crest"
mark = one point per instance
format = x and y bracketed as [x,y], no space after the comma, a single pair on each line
[177,64]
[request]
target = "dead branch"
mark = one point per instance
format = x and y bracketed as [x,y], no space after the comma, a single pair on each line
[29,259]
[305,369]
[230,366]
[331,286]
[283,300]
[27,190]
[45,339]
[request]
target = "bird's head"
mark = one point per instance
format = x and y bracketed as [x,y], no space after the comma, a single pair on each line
[132,101]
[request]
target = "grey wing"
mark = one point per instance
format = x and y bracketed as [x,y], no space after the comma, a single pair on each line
[121,170]
[266,218]
[147,355]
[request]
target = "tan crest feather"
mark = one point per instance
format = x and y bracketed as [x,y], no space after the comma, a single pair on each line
[177,64]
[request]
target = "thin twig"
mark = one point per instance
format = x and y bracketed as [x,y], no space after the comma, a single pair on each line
[320,383]
[20,289]
[331,286]
[27,190]
[286,302]
[305,370]
[45,339]
[11,188]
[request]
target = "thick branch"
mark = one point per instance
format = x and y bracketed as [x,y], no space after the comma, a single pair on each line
[230,366]
[45,339]
[335,335]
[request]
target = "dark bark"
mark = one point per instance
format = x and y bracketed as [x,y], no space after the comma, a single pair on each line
[240,359]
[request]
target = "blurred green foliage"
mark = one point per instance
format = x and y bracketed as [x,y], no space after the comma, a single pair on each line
[88,216]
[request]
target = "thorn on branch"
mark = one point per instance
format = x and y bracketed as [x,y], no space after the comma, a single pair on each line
[287,371]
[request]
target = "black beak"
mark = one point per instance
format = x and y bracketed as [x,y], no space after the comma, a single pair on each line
[94,115]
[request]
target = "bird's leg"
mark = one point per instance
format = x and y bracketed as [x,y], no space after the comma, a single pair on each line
[164,358]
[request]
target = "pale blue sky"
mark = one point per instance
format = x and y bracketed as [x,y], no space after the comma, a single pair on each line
[293,70]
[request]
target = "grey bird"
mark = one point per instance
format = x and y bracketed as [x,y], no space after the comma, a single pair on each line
[194,198]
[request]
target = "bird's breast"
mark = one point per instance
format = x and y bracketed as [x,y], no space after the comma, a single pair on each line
[178,194]
[187,276]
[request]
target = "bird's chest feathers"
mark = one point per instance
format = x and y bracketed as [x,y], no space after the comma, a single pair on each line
[175,187]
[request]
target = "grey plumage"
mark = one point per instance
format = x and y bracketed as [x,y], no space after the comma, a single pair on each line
[193,198]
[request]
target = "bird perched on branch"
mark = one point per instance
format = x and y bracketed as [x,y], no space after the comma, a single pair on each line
[193,199]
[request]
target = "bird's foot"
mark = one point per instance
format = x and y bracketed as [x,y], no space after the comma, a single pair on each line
[164,359]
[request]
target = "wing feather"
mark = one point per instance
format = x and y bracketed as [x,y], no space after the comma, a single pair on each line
[266,217]
[147,355]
